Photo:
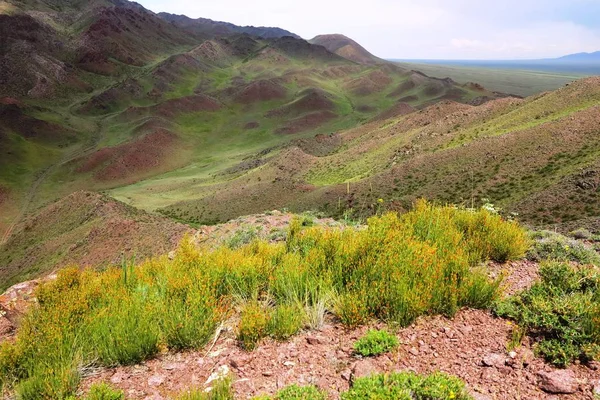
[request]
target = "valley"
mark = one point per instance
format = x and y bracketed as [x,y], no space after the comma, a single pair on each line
[196,210]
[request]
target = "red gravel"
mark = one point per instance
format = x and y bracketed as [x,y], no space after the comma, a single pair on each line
[325,358]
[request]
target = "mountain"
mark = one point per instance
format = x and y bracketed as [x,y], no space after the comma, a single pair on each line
[206,27]
[537,157]
[347,48]
[102,94]
[582,57]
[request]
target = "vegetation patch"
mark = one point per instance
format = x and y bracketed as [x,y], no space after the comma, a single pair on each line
[397,269]
[407,386]
[295,392]
[221,390]
[375,343]
[554,246]
[561,311]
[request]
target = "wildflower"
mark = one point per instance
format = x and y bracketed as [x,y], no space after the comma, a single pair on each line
[380,201]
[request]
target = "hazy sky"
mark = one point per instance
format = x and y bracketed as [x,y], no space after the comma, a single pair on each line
[443,29]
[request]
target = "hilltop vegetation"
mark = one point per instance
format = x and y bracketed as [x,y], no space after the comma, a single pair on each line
[397,269]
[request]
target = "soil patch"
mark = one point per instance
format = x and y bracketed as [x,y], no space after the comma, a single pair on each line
[251,125]
[262,90]
[309,100]
[128,160]
[305,122]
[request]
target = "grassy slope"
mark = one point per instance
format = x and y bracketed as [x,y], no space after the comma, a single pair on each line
[508,151]
[518,82]
[217,140]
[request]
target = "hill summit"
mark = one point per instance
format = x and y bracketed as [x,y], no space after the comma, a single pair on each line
[346,47]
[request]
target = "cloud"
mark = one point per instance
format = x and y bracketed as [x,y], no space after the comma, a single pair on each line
[422,28]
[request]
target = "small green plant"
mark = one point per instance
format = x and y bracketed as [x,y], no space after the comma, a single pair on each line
[375,343]
[103,391]
[407,386]
[561,311]
[554,246]
[244,235]
[295,392]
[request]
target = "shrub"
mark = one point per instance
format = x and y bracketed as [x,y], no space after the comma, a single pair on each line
[102,391]
[554,246]
[286,320]
[244,235]
[295,392]
[562,312]
[407,386]
[351,309]
[581,234]
[253,326]
[375,343]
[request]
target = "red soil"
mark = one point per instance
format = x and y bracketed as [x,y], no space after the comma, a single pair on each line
[130,159]
[305,122]
[262,90]
[251,125]
[310,100]
[395,111]
[4,194]
[174,107]
[375,82]
[10,101]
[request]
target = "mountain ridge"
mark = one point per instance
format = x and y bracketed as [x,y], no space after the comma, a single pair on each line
[347,48]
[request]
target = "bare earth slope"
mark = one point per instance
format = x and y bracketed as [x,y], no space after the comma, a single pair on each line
[86,229]
[347,48]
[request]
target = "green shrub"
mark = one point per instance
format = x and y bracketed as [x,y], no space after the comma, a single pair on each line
[407,386]
[243,236]
[554,246]
[352,309]
[253,326]
[581,234]
[102,391]
[375,343]
[561,311]
[295,392]
[286,320]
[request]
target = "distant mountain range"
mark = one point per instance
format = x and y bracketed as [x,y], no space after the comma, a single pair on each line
[581,57]
[208,27]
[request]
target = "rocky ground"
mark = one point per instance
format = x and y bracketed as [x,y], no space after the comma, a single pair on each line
[472,346]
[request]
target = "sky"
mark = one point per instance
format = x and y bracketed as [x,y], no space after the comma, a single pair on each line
[421,29]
